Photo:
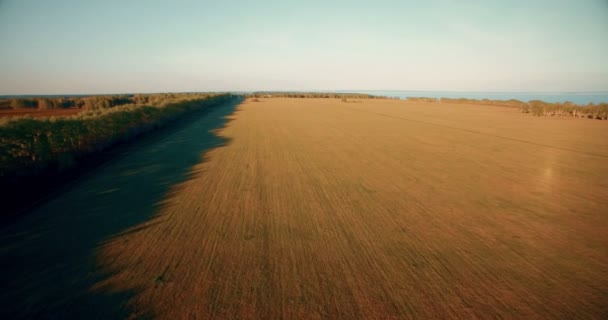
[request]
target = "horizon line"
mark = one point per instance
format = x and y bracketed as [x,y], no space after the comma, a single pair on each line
[298,91]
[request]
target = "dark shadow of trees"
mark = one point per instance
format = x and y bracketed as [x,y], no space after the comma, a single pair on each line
[47,257]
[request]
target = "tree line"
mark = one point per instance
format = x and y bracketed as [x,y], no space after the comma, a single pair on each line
[321,95]
[31,146]
[567,109]
[536,107]
[85,102]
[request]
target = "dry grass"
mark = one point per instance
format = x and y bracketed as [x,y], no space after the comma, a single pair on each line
[382,209]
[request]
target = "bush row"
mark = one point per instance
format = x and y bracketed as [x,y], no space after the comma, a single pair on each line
[314,95]
[421,99]
[567,109]
[536,107]
[32,146]
[502,103]
[86,102]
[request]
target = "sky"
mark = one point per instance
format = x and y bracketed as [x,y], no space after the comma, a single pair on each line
[78,47]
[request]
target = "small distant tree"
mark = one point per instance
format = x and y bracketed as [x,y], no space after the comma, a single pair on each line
[65,103]
[44,104]
[140,99]
[19,103]
[78,103]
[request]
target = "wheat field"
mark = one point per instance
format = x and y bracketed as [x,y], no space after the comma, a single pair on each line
[379,209]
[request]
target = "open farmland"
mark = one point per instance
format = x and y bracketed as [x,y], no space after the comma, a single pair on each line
[317,208]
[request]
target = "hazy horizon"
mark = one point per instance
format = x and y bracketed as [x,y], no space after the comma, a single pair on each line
[72,47]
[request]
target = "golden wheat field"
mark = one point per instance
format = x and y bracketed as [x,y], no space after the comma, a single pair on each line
[379,209]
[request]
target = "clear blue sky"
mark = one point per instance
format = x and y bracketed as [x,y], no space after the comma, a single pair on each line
[77,46]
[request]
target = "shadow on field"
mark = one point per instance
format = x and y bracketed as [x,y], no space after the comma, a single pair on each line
[47,257]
